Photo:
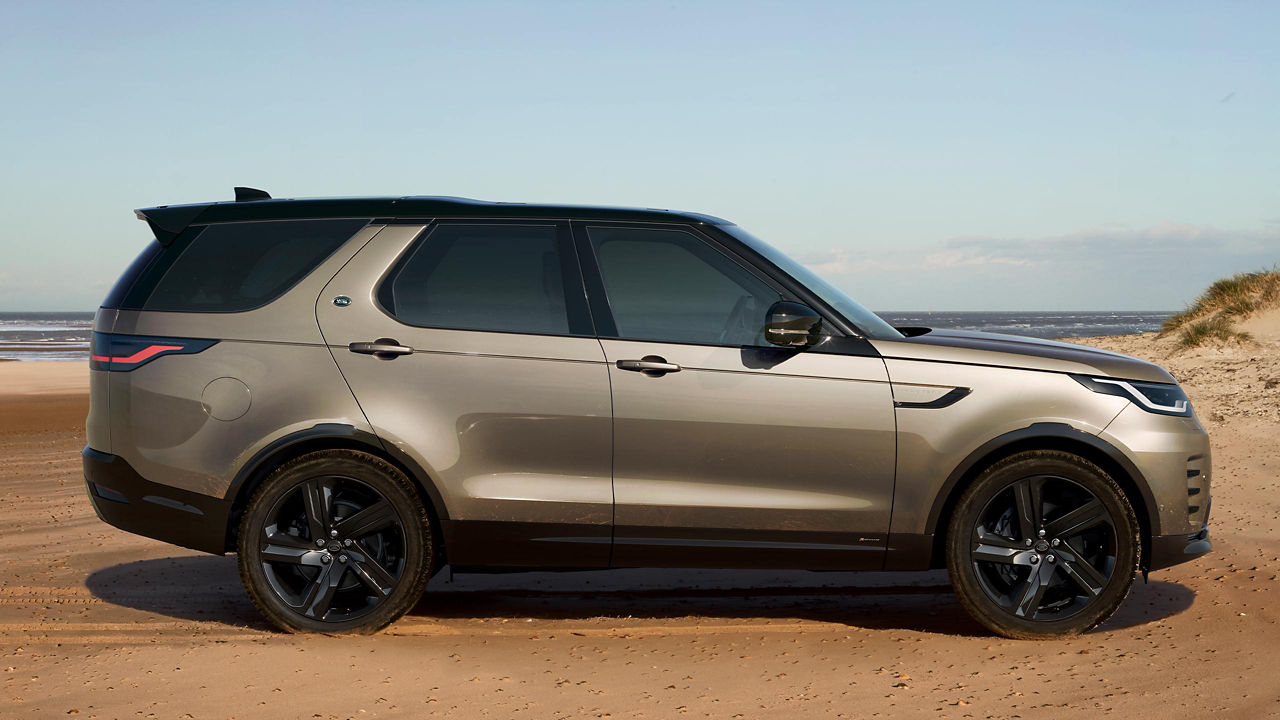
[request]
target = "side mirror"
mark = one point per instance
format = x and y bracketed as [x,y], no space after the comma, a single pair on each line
[792,325]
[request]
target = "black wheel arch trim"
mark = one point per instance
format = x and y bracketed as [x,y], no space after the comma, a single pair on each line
[319,437]
[1149,512]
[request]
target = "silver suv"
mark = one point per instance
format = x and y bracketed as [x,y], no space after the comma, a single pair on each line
[352,393]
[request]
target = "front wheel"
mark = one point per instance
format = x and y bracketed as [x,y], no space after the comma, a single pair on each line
[1043,544]
[335,541]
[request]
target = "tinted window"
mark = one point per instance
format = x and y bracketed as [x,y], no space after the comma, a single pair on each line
[238,266]
[670,285]
[483,277]
[131,274]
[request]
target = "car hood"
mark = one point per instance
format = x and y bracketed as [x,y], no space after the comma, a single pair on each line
[978,348]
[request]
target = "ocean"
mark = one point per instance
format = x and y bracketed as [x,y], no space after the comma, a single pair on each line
[45,335]
[65,335]
[1051,324]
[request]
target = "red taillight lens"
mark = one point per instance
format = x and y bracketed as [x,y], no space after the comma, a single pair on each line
[125,352]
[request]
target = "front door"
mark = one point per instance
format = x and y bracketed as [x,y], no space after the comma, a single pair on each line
[729,451]
[470,349]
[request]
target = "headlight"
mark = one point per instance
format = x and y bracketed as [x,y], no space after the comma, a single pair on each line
[1159,398]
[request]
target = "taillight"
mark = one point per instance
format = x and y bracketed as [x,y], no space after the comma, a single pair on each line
[108,351]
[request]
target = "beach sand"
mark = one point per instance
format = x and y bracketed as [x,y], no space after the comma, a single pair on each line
[97,623]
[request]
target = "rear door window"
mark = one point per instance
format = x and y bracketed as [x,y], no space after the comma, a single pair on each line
[504,277]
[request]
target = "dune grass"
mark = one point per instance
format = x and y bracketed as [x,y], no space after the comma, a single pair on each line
[1213,314]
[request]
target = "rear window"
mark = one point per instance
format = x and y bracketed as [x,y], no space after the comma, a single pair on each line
[233,267]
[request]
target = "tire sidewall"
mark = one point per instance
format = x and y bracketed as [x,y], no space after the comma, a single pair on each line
[997,479]
[379,476]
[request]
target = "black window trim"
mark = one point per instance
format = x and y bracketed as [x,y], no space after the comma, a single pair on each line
[580,319]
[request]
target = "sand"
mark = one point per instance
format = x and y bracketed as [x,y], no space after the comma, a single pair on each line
[97,623]
[1264,327]
[43,378]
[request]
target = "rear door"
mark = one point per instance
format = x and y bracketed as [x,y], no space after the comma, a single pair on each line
[740,453]
[495,386]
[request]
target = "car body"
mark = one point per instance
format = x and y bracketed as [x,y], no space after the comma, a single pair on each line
[576,387]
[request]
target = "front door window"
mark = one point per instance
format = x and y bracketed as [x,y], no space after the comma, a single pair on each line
[669,285]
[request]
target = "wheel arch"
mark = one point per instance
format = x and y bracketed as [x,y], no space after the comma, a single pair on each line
[331,436]
[1045,436]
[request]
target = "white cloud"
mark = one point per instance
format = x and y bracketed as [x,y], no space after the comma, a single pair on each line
[1101,244]
[1161,266]
[839,261]
[1104,243]
[959,257]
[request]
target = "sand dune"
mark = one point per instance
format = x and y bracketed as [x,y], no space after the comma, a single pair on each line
[1264,327]
[98,623]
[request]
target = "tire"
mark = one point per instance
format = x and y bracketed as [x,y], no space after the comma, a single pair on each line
[335,541]
[1021,583]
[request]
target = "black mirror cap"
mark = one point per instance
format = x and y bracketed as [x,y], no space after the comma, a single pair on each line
[791,324]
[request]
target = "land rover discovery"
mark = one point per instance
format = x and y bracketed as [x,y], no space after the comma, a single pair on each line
[352,393]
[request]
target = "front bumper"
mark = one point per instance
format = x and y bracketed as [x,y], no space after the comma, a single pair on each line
[1170,460]
[1170,550]
[125,499]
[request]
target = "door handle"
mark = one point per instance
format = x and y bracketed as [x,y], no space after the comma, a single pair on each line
[651,365]
[382,348]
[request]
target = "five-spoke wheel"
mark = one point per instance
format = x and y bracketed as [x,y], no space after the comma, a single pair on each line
[335,541]
[1042,544]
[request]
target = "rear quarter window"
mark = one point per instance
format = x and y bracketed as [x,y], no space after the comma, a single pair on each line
[234,267]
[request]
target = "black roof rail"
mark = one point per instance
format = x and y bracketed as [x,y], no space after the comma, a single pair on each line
[248,194]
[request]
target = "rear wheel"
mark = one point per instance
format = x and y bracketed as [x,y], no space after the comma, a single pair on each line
[1043,544]
[335,541]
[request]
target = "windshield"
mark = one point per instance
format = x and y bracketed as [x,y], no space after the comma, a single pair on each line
[866,321]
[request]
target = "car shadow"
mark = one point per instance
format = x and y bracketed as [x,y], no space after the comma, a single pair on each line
[208,588]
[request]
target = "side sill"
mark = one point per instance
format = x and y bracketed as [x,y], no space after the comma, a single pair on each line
[532,546]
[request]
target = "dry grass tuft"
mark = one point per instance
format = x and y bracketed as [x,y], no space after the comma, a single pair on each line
[1212,314]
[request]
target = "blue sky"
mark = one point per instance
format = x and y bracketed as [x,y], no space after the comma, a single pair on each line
[959,156]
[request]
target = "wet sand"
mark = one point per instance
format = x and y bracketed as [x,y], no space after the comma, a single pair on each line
[97,623]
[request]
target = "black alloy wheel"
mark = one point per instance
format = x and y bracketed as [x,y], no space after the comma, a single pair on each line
[1043,544]
[336,541]
[1037,568]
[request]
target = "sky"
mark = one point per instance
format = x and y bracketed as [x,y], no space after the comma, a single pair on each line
[930,156]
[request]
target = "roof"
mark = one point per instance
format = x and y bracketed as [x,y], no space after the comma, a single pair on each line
[172,219]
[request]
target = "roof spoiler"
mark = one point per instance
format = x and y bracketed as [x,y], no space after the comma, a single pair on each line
[167,221]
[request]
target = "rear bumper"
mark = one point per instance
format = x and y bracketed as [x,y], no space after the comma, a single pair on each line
[1170,550]
[123,498]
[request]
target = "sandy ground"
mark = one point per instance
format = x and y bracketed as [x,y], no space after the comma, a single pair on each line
[97,623]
